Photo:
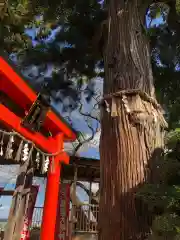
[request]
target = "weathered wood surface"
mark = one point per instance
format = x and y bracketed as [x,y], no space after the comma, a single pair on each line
[19,202]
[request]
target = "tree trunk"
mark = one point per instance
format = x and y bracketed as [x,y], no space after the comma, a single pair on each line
[132,129]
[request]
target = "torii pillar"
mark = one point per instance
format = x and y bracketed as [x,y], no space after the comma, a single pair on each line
[52,193]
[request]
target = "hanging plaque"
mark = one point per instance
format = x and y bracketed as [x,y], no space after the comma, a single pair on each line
[34,119]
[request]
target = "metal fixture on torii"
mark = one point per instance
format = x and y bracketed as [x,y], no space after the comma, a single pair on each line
[19,120]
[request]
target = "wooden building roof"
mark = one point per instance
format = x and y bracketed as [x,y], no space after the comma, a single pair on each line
[88,169]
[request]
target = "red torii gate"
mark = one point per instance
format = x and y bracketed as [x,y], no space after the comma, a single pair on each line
[13,85]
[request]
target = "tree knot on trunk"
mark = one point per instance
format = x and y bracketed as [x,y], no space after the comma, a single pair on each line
[138,105]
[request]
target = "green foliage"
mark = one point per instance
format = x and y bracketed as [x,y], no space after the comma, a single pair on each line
[167,225]
[163,199]
[14,15]
[161,196]
[178,6]
[165,45]
[72,43]
[172,138]
[18,16]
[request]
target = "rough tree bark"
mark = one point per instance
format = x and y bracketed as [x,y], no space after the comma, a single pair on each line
[132,130]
